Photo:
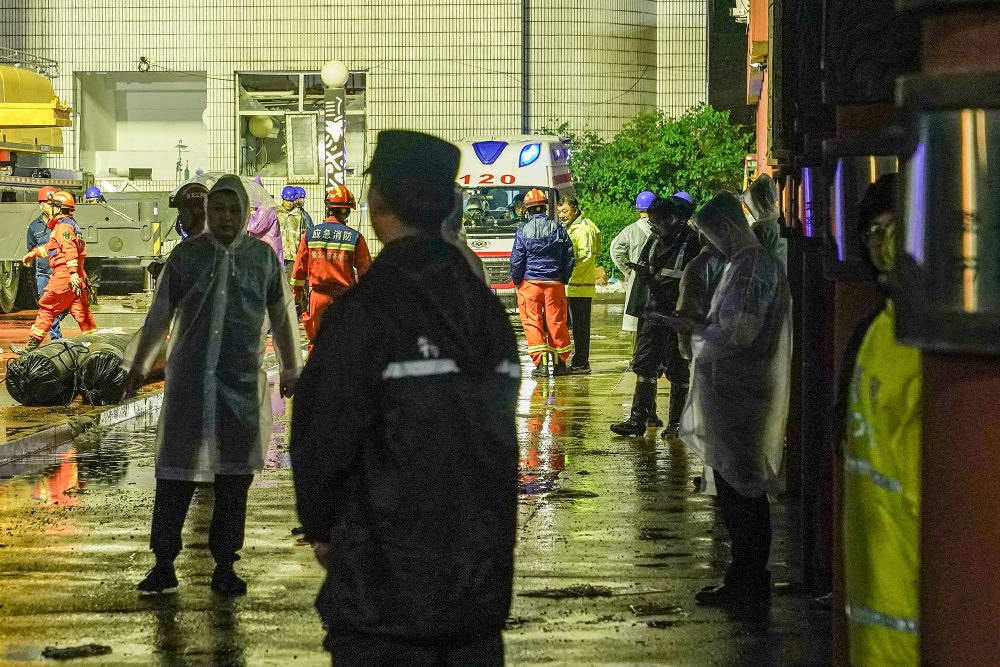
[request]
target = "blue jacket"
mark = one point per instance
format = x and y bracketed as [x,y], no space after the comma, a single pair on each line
[38,235]
[542,251]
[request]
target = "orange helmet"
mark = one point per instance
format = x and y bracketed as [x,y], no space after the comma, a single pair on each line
[63,200]
[340,197]
[535,197]
[45,192]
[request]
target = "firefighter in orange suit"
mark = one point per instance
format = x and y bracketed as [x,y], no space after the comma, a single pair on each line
[67,288]
[541,263]
[331,258]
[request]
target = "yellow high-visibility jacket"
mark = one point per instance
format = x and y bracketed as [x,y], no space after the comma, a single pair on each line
[882,500]
[586,239]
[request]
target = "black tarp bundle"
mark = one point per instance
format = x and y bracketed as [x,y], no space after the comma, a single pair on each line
[90,365]
[100,378]
[46,376]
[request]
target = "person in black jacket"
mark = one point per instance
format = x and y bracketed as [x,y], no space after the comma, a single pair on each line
[670,248]
[404,450]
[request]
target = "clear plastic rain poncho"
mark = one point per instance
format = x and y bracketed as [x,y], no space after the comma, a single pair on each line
[214,303]
[737,408]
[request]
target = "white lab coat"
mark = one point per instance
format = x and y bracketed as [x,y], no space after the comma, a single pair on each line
[626,247]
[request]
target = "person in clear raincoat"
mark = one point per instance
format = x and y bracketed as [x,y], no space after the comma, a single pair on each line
[214,301]
[737,408]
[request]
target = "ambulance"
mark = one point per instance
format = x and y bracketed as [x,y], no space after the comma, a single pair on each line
[494,175]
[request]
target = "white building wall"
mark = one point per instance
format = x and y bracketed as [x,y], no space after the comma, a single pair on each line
[450,68]
[681,54]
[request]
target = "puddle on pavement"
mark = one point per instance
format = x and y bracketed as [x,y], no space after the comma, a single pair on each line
[124,454]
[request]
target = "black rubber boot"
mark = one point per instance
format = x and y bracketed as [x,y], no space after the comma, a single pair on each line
[678,396]
[560,369]
[642,401]
[32,345]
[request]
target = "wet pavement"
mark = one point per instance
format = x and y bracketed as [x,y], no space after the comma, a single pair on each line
[613,544]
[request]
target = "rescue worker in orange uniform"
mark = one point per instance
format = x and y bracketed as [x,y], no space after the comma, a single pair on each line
[67,288]
[541,263]
[332,257]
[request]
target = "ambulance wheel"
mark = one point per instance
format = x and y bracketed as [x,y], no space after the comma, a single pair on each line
[10,278]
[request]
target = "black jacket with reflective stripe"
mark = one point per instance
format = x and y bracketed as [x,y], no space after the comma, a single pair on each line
[404,450]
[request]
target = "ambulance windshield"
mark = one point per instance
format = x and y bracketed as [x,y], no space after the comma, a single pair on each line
[499,209]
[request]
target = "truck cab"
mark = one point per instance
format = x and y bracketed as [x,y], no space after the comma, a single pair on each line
[494,175]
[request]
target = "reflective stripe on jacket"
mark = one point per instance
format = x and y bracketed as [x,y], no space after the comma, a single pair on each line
[882,500]
[331,258]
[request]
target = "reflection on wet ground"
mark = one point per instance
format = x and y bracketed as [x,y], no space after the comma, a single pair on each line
[613,543]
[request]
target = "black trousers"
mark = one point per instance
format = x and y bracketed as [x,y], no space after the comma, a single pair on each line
[656,352]
[229,516]
[748,522]
[579,319]
[363,650]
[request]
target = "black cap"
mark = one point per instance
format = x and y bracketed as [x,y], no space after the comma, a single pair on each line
[415,174]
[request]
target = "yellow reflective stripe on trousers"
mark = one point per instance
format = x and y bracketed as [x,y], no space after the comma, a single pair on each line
[861,467]
[865,616]
[538,348]
[562,350]
[298,283]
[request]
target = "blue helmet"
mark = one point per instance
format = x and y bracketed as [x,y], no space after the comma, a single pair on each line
[685,196]
[301,193]
[289,193]
[93,192]
[643,200]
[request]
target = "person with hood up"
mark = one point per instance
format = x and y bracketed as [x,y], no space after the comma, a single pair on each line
[541,264]
[214,298]
[419,558]
[627,246]
[760,204]
[660,267]
[264,225]
[879,434]
[737,410]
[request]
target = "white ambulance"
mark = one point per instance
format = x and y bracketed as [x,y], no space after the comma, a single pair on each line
[494,175]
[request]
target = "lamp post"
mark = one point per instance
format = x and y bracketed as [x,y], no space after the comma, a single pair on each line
[334,75]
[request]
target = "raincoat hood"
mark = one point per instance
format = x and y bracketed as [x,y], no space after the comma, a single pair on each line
[768,232]
[232,183]
[762,199]
[722,222]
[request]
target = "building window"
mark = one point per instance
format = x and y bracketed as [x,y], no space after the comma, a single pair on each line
[275,109]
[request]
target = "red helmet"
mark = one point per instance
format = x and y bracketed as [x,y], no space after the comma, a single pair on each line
[535,197]
[45,192]
[340,197]
[63,200]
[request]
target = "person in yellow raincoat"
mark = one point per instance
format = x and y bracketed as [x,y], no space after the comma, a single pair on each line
[881,445]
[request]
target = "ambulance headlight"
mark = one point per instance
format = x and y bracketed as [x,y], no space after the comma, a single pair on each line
[529,154]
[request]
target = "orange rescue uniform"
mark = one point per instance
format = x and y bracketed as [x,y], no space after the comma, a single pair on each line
[542,307]
[332,257]
[66,251]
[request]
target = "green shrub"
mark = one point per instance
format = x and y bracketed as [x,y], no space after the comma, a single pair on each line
[700,152]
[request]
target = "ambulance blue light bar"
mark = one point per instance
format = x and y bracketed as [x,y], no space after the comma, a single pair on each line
[489,151]
[529,154]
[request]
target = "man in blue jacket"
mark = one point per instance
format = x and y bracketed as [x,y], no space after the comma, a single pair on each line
[541,264]
[38,235]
